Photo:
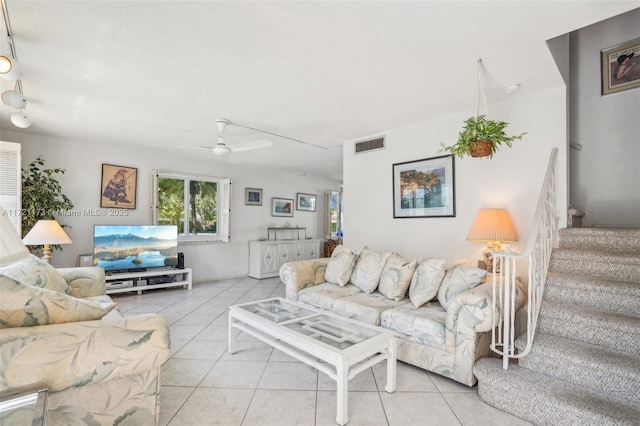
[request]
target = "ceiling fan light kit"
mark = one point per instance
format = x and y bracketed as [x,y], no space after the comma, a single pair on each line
[10,69]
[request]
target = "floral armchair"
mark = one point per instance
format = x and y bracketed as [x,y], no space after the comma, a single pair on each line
[60,331]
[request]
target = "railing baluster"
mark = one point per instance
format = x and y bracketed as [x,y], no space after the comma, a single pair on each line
[541,241]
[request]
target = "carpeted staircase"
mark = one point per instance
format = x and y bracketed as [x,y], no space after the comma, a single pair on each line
[584,367]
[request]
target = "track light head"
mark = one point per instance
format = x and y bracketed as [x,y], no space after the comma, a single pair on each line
[10,69]
[14,99]
[20,119]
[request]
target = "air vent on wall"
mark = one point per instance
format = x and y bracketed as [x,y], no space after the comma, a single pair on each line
[370,145]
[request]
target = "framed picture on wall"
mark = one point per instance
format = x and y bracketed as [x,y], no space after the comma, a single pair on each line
[424,188]
[621,67]
[305,202]
[119,185]
[253,196]
[282,207]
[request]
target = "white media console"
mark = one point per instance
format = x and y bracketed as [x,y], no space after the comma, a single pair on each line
[148,280]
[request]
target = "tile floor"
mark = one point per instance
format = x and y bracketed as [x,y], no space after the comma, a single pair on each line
[202,384]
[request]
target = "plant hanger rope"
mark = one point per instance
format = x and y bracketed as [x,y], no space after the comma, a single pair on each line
[480,92]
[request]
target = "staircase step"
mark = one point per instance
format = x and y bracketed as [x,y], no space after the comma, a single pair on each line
[617,240]
[611,266]
[595,367]
[620,332]
[544,400]
[591,292]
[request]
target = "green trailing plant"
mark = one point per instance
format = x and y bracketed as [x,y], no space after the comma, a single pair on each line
[42,196]
[477,129]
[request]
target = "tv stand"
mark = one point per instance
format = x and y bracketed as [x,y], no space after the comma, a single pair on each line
[148,280]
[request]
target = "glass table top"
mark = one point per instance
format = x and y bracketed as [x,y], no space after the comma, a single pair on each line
[25,409]
[337,332]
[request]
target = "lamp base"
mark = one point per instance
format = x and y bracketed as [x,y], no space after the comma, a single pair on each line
[46,253]
[488,258]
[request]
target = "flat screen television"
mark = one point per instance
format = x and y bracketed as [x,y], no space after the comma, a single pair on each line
[124,248]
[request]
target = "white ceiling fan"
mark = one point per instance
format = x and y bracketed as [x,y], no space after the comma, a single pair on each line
[222,148]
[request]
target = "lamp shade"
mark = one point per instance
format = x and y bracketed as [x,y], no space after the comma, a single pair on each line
[12,248]
[46,232]
[493,225]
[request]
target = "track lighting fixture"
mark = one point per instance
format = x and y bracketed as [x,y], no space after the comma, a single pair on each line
[20,119]
[14,99]
[10,69]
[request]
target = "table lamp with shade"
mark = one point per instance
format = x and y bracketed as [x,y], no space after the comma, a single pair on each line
[495,227]
[46,232]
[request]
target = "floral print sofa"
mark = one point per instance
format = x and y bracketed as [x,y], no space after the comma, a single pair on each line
[60,331]
[442,319]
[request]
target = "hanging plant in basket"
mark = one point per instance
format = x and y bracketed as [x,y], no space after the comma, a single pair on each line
[481,138]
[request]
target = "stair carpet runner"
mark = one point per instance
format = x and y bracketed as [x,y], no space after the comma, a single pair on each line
[584,366]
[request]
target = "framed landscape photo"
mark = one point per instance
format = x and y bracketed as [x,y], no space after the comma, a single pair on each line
[424,188]
[306,202]
[282,207]
[621,67]
[253,196]
[118,188]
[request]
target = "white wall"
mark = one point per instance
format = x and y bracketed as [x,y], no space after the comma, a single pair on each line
[212,261]
[605,173]
[511,180]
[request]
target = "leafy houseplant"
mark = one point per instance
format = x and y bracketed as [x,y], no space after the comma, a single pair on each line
[42,196]
[481,137]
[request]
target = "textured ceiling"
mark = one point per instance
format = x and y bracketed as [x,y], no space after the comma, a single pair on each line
[158,73]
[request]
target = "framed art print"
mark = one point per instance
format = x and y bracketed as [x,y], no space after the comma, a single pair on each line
[621,67]
[118,188]
[253,196]
[282,207]
[305,202]
[424,188]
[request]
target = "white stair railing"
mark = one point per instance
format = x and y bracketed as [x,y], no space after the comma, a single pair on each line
[542,239]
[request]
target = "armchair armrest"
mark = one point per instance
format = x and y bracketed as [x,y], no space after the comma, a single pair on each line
[63,356]
[84,281]
[301,274]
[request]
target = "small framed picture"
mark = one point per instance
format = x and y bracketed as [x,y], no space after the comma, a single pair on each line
[118,188]
[282,207]
[305,202]
[621,67]
[424,188]
[253,196]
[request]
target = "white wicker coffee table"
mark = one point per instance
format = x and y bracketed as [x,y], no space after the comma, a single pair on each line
[311,336]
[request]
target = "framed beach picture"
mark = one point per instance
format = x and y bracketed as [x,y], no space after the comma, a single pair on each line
[305,202]
[621,67]
[282,207]
[424,188]
[118,188]
[253,196]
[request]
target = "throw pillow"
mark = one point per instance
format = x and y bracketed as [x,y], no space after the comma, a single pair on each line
[426,281]
[36,272]
[459,278]
[396,277]
[340,266]
[369,266]
[24,306]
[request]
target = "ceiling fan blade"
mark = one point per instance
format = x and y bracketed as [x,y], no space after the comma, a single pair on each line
[247,146]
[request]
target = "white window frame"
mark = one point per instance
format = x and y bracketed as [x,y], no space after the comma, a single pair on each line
[223,202]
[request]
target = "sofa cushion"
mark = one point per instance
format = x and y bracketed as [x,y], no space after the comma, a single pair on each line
[396,277]
[24,305]
[365,307]
[426,280]
[323,295]
[368,268]
[340,266]
[425,324]
[36,272]
[458,279]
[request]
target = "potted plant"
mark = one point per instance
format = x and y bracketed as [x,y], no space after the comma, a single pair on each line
[481,137]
